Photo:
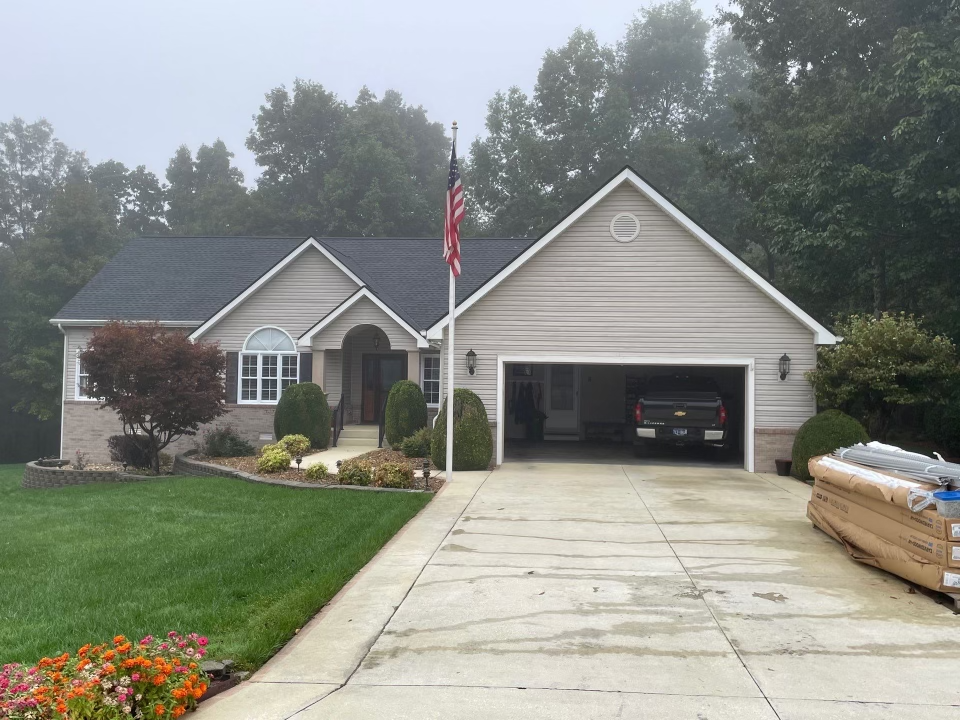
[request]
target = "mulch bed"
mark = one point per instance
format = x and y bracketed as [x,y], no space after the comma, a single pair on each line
[376,457]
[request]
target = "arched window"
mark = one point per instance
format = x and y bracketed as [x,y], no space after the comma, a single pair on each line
[269,364]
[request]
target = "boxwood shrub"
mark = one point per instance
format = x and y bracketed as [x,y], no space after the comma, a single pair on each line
[295,444]
[273,458]
[317,472]
[417,445]
[823,434]
[303,410]
[406,412]
[355,472]
[472,443]
[393,475]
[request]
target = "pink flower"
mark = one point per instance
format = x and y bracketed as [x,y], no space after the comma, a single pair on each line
[172,634]
[135,677]
[201,653]
[202,641]
[164,646]
[181,668]
[147,640]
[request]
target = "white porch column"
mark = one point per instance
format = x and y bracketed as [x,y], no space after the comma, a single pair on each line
[318,358]
[413,365]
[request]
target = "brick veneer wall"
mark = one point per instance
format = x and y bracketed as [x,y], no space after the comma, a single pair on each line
[772,444]
[35,476]
[86,427]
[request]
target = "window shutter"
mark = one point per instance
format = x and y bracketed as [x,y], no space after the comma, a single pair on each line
[306,367]
[233,369]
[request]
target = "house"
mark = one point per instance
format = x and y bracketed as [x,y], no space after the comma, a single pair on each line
[623,289]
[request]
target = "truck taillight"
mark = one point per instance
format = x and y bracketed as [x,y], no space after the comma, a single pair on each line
[638,413]
[723,415]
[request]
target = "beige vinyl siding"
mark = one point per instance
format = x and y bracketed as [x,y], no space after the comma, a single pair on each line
[332,375]
[365,312]
[294,300]
[77,339]
[664,295]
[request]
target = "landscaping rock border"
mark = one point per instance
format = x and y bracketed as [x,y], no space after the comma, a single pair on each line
[38,477]
[183,465]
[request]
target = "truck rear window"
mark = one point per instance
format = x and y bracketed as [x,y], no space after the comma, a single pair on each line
[682,383]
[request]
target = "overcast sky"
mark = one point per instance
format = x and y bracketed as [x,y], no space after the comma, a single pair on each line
[132,81]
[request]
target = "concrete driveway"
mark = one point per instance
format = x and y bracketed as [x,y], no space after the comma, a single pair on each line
[606,591]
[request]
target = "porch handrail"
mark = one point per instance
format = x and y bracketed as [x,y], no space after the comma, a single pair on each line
[337,421]
[383,421]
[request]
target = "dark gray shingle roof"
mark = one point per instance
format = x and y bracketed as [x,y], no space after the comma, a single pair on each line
[189,279]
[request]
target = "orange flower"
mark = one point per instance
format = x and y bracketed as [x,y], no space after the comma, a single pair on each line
[82,664]
[179,710]
[107,669]
[84,650]
[128,663]
[118,639]
[159,710]
[197,694]
[192,666]
[159,679]
[109,655]
[179,694]
[193,678]
[61,707]
[124,648]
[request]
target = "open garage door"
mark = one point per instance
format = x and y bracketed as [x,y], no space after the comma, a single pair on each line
[585,411]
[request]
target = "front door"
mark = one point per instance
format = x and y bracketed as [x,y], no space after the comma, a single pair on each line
[380,372]
[562,400]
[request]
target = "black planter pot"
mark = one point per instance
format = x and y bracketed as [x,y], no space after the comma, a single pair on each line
[783,467]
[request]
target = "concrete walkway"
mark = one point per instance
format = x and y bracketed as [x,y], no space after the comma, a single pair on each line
[355,440]
[609,591]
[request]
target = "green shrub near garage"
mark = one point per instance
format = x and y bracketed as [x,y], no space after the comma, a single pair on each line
[406,412]
[303,410]
[472,442]
[823,434]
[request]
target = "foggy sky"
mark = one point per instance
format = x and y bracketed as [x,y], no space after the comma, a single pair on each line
[131,81]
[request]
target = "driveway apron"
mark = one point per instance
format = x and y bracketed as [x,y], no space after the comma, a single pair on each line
[592,591]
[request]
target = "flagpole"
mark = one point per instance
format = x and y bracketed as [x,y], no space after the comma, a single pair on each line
[450,354]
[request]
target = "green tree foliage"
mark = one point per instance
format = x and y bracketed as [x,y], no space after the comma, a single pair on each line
[303,410]
[882,364]
[134,197]
[651,102]
[472,441]
[67,249]
[205,195]
[851,151]
[406,412]
[822,434]
[372,168]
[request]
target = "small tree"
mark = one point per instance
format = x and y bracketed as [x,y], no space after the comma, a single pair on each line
[159,382]
[880,364]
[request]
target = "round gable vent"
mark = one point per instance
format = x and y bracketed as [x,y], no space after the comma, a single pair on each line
[624,227]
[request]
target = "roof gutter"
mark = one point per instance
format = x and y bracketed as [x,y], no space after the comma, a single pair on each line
[61,323]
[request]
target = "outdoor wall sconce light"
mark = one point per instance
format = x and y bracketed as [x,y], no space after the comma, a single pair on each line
[376,340]
[784,366]
[471,362]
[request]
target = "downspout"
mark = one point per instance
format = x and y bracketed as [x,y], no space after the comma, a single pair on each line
[63,392]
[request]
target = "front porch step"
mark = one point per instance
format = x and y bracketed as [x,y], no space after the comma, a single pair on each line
[370,443]
[369,432]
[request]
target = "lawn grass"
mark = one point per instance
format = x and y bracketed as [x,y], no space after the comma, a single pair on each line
[245,564]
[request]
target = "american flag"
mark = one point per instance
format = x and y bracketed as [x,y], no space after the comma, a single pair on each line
[453,215]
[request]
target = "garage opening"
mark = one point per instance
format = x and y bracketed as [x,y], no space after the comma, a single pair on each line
[587,413]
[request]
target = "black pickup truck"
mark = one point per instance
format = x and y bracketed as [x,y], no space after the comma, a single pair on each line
[680,410]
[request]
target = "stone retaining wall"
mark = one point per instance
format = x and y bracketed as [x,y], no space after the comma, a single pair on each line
[35,476]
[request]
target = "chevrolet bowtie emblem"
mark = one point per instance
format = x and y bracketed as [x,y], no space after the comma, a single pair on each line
[680,413]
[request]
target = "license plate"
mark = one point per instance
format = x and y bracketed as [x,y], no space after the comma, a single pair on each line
[679,431]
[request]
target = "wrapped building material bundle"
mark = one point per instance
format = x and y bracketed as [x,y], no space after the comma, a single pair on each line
[935,471]
[868,548]
[884,486]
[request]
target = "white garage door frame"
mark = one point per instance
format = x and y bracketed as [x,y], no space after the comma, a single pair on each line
[746,363]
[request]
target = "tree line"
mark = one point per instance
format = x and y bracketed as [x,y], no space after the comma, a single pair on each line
[817,140]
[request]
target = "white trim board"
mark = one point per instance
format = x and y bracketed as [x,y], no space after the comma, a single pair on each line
[821,335]
[749,421]
[269,275]
[306,340]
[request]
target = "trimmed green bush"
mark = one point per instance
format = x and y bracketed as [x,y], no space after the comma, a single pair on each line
[417,445]
[316,472]
[295,444]
[303,410]
[472,443]
[355,472]
[823,434]
[132,450]
[406,412]
[273,458]
[224,441]
[394,475]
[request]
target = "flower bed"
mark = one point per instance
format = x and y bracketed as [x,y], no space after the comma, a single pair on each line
[155,678]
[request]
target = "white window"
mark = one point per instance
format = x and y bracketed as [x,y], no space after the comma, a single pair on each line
[269,364]
[83,381]
[430,378]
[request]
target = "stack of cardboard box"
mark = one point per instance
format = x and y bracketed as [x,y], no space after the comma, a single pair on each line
[868,511]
